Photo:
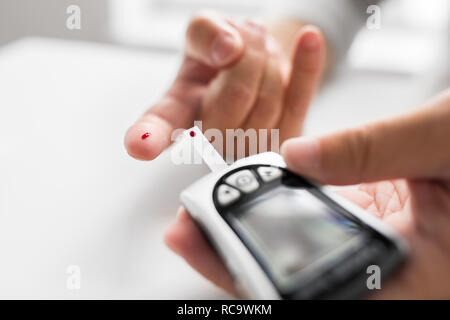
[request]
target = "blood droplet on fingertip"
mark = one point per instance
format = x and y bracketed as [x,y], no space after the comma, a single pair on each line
[145,135]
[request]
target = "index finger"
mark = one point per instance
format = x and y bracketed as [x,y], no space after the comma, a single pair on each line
[179,107]
[212,43]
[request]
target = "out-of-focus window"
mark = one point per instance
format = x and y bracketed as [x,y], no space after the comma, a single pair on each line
[412,39]
[162,23]
[416,29]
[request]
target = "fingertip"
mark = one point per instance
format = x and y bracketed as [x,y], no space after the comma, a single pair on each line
[213,40]
[310,38]
[302,155]
[169,237]
[145,141]
[228,46]
[286,150]
[174,235]
[226,49]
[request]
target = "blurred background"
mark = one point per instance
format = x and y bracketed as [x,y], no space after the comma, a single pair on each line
[69,194]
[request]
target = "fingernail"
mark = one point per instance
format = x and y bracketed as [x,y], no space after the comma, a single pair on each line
[256,26]
[309,41]
[223,49]
[301,154]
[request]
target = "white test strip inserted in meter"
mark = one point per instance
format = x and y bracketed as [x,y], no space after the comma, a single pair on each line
[205,149]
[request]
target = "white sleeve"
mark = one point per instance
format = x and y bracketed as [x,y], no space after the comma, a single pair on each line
[339,20]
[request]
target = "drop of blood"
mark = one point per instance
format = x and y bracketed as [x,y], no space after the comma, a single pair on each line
[145,135]
[192,134]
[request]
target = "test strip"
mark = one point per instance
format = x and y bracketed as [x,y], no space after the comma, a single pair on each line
[205,149]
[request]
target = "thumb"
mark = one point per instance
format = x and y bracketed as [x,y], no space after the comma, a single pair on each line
[412,146]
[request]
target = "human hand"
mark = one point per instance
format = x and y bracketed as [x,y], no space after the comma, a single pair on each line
[233,76]
[404,167]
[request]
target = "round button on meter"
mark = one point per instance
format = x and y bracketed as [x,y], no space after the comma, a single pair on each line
[244,180]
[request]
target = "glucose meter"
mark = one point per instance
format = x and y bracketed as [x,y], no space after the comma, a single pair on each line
[284,237]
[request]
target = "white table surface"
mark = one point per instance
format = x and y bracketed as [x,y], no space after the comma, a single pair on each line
[69,193]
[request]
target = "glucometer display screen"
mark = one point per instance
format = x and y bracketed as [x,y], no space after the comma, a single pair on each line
[291,229]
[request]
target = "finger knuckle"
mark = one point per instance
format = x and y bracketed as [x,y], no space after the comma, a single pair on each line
[257,57]
[237,92]
[360,149]
[270,94]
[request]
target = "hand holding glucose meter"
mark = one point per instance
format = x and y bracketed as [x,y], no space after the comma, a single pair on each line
[284,237]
